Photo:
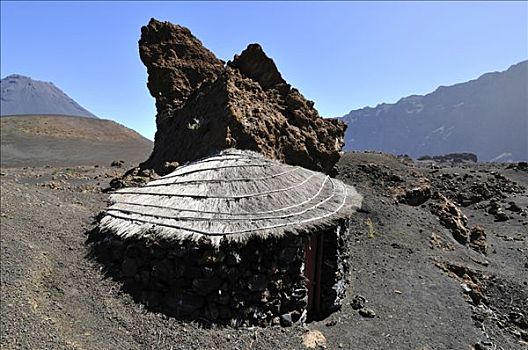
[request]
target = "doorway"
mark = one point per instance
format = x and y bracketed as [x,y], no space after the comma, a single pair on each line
[322,273]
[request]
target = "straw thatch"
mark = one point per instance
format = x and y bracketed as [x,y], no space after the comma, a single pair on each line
[231,196]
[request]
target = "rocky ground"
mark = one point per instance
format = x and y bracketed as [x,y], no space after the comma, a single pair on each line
[439,260]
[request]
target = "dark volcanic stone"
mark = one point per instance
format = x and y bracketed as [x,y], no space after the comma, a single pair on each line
[501,216]
[416,196]
[257,283]
[204,286]
[232,259]
[117,250]
[514,207]
[184,303]
[163,269]
[367,312]
[129,267]
[477,239]
[286,320]
[192,272]
[358,302]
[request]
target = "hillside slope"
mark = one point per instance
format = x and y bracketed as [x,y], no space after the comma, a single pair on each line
[63,140]
[21,95]
[487,116]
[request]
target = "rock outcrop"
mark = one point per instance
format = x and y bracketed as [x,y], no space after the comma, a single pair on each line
[453,157]
[205,106]
[452,218]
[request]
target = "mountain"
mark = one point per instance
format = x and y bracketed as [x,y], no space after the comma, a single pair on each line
[21,95]
[38,140]
[487,116]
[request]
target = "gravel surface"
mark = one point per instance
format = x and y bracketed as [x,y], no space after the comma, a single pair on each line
[412,284]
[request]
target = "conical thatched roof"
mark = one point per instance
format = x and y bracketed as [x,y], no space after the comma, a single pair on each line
[232,196]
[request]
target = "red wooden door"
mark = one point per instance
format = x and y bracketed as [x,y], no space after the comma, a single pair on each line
[313,264]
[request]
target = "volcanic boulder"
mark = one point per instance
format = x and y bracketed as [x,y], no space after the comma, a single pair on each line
[204,106]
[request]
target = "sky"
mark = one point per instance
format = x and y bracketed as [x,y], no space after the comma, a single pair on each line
[342,55]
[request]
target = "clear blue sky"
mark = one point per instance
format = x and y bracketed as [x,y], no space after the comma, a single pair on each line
[342,55]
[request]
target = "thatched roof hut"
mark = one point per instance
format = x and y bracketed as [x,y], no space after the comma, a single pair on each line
[233,196]
[233,238]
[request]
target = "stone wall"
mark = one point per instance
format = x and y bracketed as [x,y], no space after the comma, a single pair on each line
[258,283]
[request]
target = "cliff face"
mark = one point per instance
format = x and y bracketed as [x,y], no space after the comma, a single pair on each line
[487,116]
[205,106]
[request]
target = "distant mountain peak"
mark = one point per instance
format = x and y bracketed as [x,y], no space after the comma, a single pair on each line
[487,116]
[22,95]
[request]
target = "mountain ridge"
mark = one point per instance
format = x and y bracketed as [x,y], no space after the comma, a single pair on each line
[487,116]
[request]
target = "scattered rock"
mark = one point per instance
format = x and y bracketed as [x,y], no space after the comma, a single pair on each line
[522,166]
[314,339]
[331,323]
[416,196]
[134,177]
[518,319]
[367,312]
[484,345]
[501,216]
[494,207]
[470,189]
[470,281]
[358,302]
[477,239]
[169,167]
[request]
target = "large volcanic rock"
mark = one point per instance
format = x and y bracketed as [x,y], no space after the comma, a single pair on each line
[205,106]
